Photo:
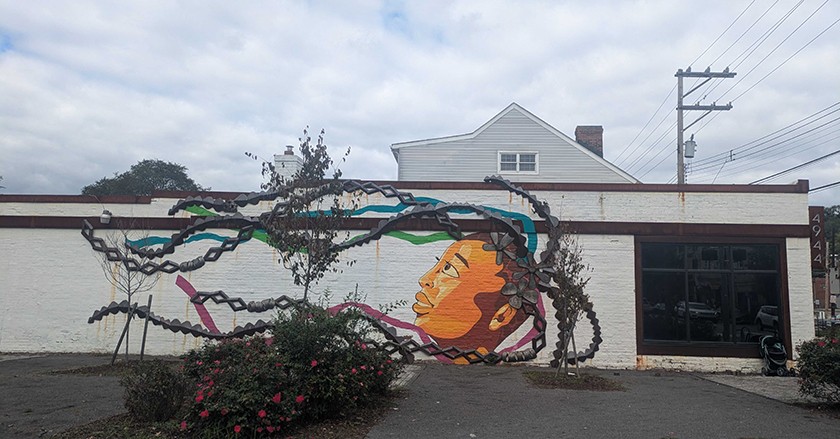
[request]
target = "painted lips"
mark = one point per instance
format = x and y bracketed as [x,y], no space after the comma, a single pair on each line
[423,305]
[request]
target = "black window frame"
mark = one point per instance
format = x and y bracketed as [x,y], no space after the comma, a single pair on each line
[710,349]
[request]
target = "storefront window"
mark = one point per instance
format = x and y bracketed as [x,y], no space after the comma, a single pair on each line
[710,293]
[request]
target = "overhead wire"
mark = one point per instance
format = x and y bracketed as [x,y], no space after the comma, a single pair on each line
[754,151]
[791,169]
[823,187]
[780,154]
[727,155]
[646,125]
[745,75]
[672,91]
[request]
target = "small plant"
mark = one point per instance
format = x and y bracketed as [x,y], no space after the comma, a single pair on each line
[819,369]
[153,391]
[315,365]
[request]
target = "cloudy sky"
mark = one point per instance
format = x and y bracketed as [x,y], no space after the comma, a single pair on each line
[89,88]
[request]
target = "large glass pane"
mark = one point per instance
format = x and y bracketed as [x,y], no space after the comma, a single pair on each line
[508,158]
[757,310]
[706,257]
[660,294]
[527,158]
[527,166]
[708,319]
[655,255]
[755,257]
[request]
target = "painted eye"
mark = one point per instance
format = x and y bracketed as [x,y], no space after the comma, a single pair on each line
[449,270]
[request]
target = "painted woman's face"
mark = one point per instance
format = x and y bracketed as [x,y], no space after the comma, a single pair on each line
[446,307]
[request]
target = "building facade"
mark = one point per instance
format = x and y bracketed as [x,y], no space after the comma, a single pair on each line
[682,277]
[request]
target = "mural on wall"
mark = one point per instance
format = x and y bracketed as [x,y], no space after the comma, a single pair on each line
[482,289]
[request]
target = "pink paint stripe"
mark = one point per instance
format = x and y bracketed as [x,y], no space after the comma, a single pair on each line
[367,309]
[205,316]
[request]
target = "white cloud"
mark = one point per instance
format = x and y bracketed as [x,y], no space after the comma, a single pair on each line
[92,87]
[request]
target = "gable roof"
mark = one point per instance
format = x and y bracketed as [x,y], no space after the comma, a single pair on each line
[395,147]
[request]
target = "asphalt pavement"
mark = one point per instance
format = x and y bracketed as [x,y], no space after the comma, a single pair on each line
[469,402]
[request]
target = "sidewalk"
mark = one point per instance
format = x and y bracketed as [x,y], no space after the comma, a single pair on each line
[492,402]
[467,401]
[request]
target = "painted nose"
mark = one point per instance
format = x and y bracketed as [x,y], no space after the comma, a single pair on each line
[427,281]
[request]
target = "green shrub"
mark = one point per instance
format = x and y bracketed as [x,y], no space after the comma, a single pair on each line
[819,369]
[314,365]
[153,390]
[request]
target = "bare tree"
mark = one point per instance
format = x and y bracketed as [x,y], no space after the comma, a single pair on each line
[123,274]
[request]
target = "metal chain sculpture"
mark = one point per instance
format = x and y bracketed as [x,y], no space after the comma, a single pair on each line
[520,291]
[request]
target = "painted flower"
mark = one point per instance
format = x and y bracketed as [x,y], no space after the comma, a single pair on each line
[520,293]
[237,429]
[300,398]
[379,373]
[183,425]
[353,370]
[314,363]
[499,244]
[820,343]
[199,398]
[270,428]
[277,398]
[204,413]
[225,411]
[261,413]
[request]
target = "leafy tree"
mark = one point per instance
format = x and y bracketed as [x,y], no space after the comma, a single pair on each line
[305,225]
[571,277]
[143,178]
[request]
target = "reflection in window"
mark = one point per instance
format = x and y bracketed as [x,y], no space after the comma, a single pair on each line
[709,293]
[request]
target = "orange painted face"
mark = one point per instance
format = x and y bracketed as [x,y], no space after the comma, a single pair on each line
[446,307]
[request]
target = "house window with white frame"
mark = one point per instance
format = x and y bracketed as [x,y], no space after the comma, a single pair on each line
[518,162]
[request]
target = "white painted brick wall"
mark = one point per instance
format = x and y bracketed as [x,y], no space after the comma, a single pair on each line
[51,282]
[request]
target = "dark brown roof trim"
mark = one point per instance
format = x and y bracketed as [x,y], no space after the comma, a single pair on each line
[801,187]
[112,199]
[467,225]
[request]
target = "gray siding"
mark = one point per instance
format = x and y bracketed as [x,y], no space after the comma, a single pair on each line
[475,158]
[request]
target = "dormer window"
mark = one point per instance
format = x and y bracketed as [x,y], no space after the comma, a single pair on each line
[518,162]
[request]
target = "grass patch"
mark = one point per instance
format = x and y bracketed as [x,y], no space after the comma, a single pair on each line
[551,380]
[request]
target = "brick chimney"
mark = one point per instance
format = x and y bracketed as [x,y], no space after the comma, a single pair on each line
[592,137]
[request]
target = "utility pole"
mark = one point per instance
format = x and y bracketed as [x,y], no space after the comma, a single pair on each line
[708,74]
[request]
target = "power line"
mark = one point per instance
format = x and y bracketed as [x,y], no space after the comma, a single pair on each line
[817,189]
[725,156]
[754,46]
[672,90]
[744,33]
[810,162]
[722,33]
[766,148]
[744,76]
[788,59]
[646,125]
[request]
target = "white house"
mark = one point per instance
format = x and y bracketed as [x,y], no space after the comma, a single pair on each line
[514,144]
